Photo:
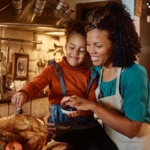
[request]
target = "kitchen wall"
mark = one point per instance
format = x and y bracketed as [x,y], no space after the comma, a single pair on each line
[74,2]
[130,5]
[36,52]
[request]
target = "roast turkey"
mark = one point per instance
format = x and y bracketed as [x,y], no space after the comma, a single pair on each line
[26,129]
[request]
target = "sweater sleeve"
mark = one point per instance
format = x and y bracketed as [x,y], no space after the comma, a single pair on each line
[34,87]
[136,94]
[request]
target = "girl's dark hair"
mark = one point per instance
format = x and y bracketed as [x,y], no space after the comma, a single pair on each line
[116,20]
[74,26]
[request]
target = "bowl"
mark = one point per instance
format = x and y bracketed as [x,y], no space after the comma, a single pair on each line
[66,109]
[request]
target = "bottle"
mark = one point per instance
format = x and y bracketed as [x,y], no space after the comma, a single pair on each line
[3,93]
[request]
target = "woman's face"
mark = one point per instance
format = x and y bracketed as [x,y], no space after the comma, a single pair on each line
[99,47]
[76,50]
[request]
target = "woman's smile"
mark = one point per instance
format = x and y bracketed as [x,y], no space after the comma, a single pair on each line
[99,47]
[95,58]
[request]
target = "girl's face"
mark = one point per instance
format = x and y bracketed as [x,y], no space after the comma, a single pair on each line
[76,50]
[99,47]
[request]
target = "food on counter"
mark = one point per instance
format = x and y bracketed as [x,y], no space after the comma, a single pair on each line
[54,145]
[14,145]
[25,129]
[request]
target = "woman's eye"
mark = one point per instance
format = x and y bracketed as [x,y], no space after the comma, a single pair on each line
[98,46]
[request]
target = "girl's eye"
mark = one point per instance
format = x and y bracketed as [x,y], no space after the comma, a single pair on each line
[82,50]
[71,48]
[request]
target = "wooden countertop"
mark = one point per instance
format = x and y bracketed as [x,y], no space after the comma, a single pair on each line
[8,100]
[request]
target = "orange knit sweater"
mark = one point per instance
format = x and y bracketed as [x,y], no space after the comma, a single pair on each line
[76,82]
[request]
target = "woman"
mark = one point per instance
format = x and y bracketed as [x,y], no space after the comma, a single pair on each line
[123,98]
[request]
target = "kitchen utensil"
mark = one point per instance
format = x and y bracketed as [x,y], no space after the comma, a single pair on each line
[39,4]
[17,4]
[7,58]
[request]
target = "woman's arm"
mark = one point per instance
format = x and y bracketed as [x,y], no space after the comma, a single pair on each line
[118,122]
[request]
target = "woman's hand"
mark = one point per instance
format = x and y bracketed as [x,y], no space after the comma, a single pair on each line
[78,102]
[19,99]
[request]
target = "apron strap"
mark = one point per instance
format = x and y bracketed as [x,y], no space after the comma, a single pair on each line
[100,78]
[118,80]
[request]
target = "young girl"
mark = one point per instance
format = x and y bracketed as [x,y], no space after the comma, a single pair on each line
[80,129]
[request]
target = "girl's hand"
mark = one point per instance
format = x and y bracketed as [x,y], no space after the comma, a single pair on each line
[50,127]
[19,99]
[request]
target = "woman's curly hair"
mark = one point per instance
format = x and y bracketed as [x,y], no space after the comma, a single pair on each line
[116,20]
[74,26]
